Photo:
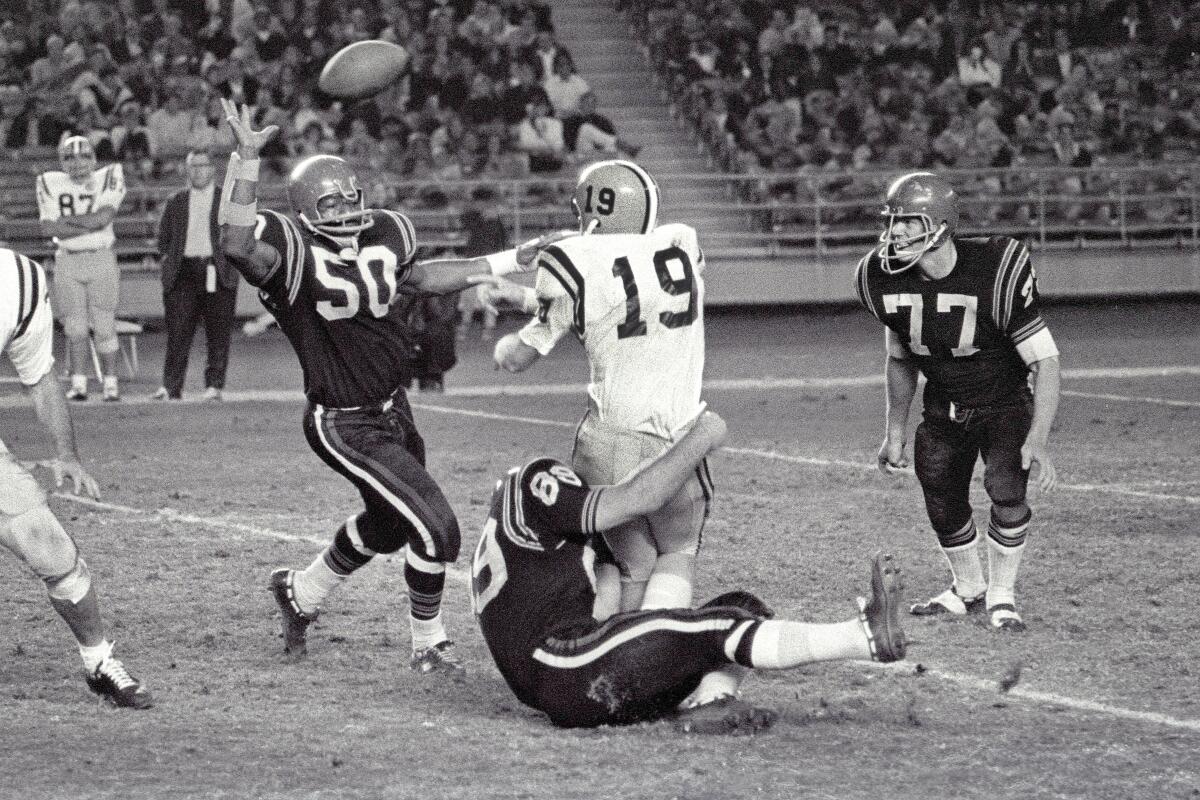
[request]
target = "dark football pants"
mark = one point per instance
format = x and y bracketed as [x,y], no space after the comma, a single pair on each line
[633,666]
[945,453]
[378,449]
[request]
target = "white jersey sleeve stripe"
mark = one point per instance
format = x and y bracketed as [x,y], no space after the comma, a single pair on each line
[559,264]
[407,233]
[30,291]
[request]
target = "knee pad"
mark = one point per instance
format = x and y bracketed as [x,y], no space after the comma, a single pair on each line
[38,539]
[72,586]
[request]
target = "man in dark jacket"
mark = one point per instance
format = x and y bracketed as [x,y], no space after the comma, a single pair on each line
[197,282]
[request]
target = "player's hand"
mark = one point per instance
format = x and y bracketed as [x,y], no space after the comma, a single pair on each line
[892,458]
[528,251]
[83,483]
[712,426]
[1035,453]
[249,141]
[503,295]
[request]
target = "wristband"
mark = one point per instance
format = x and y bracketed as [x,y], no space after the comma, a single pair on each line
[503,263]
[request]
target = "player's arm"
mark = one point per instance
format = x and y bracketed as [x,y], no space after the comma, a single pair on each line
[51,220]
[900,378]
[93,220]
[238,213]
[444,275]
[1046,390]
[112,192]
[649,489]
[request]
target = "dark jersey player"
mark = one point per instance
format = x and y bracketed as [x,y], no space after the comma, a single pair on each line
[330,277]
[533,590]
[963,312]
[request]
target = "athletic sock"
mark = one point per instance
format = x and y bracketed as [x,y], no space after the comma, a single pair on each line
[79,383]
[345,554]
[670,585]
[1005,546]
[780,644]
[961,550]
[92,656]
[426,580]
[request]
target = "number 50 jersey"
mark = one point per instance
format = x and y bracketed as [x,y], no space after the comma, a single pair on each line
[636,301]
[973,332]
[336,306]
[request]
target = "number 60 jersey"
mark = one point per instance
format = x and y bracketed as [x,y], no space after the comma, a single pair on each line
[973,332]
[636,301]
[335,306]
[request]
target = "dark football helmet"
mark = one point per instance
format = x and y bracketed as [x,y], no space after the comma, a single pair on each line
[76,157]
[925,197]
[615,196]
[318,177]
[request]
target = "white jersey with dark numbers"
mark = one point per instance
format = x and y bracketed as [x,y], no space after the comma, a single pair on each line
[636,301]
[26,321]
[59,195]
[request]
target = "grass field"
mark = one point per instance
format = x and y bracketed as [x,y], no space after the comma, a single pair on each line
[202,501]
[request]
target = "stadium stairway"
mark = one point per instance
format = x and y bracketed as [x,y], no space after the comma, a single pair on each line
[609,56]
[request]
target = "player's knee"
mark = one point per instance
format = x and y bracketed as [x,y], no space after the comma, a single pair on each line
[72,586]
[75,327]
[38,539]
[1011,514]
[105,336]
[948,519]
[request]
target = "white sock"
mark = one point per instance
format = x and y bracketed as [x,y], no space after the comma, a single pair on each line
[1003,563]
[110,382]
[92,656]
[780,644]
[79,382]
[314,583]
[967,569]
[427,632]
[670,585]
[723,682]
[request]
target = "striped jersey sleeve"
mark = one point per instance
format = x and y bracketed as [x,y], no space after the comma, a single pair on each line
[112,187]
[1015,308]
[862,285]
[29,345]
[283,283]
[47,198]
[558,286]
[403,239]
[552,503]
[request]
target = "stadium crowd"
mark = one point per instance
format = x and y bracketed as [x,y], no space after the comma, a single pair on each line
[823,87]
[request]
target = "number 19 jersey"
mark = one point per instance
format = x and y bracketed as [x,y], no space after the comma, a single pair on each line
[636,302]
[336,306]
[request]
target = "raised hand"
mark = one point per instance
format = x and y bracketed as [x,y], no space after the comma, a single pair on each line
[249,141]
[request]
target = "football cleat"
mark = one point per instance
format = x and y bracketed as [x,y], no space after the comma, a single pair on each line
[441,657]
[113,682]
[77,394]
[111,393]
[725,716]
[295,622]
[213,394]
[948,602]
[1004,617]
[880,615]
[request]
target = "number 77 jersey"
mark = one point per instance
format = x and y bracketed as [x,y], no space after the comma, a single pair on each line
[973,332]
[636,302]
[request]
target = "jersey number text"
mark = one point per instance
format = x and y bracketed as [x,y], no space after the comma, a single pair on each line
[946,303]
[374,280]
[634,325]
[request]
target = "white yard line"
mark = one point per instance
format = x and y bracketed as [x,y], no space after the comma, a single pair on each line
[1122,398]
[460,576]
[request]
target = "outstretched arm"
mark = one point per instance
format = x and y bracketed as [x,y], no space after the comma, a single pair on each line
[51,410]
[256,260]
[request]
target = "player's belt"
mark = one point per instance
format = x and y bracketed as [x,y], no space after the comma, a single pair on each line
[383,405]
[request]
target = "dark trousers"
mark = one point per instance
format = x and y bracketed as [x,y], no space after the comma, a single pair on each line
[185,305]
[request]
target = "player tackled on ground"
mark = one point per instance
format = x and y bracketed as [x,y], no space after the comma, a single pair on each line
[27,527]
[963,312]
[533,590]
[331,278]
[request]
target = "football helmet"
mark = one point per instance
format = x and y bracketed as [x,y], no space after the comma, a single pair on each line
[77,157]
[318,177]
[927,198]
[615,196]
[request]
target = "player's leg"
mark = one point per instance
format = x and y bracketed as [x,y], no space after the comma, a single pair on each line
[34,534]
[70,299]
[1005,482]
[944,458]
[677,529]
[103,295]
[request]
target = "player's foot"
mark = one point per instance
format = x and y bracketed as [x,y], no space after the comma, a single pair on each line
[112,394]
[77,394]
[113,682]
[726,715]
[295,621]
[213,394]
[948,602]
[441,657]
[160,394]
[880,615]
[1004,617]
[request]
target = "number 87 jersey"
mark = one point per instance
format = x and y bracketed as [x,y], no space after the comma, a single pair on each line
[335,304]
[636,302]
[972,332]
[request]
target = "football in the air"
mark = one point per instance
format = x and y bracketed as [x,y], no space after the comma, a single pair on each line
[362,69]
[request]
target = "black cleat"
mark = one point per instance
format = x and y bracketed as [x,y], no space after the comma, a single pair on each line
[725,716]
[295,621]
[880,615]
[949,603]
[441,657]
[1004,617]
[113,682]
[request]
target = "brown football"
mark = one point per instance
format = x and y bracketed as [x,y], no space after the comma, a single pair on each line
[362,69]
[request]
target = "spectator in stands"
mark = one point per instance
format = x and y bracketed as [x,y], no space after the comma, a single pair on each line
[484,27]
[589,132]
[977,68]
[53,72]
[13,46]
[485,233]
[198,283]
[171,129]
[523,88]
[564,87]
[360,146]
[173,47]
[269,37]
[774,36]
[541,137]
[131,140]
[545,52]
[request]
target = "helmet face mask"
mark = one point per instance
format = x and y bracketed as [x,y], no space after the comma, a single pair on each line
[615,196]
[927,199]
[76,157]
[318,180]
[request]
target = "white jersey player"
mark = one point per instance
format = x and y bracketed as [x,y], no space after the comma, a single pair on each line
[633,294]
[76,206]
[27,526]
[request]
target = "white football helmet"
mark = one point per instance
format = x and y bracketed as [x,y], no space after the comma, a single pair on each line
[77,157]
[615,196]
